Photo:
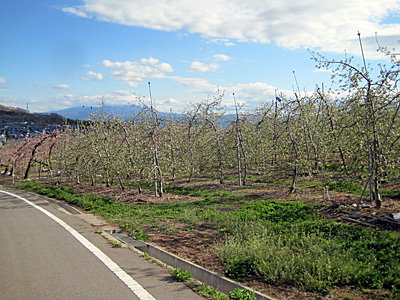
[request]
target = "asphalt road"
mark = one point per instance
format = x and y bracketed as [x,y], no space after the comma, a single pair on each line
[41,258]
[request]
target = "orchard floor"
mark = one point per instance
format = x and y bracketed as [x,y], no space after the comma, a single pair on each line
[196,243]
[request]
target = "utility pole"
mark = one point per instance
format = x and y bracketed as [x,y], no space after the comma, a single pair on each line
[238,141]
[368,124]
[154,144]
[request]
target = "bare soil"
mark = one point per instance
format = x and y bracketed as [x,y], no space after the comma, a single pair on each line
[196,243]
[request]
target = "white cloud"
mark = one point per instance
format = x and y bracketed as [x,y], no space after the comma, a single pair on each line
[164,67]
[134,72]
[92,76]
[173,101]
[34,104]
[75,11]
[255,89]
[251,94]
[229,44]
[61,87]
[222,57]
[149,61]
[171,104]
[195,84]
[122,92]
[222,41]
[200,67]
[2,80]
[322,71]
[329,26]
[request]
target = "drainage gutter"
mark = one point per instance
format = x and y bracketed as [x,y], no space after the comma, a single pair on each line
[222,284]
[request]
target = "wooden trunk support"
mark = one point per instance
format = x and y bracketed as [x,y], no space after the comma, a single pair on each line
[358,222]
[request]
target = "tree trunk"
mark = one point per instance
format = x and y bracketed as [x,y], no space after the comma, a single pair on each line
[33,155]
[219,155]
[295,173]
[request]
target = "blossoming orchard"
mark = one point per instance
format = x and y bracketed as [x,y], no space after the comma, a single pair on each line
[353,131]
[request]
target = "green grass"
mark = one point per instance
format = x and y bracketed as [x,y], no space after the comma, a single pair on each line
[277,211]
[282,242]
[196,192]
[344,187]
[241,294]
[313,255]
[357,189]
[209,292]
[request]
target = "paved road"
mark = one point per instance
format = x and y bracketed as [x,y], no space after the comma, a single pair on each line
[61,257]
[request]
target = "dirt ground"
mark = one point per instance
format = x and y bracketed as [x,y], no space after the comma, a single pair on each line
[196,243]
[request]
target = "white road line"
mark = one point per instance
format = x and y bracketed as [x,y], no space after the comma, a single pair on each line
[135,287]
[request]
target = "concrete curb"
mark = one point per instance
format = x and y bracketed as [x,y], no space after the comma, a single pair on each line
[68,208]
[215,280]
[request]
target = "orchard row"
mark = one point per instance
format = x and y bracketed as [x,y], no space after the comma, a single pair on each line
[353,131]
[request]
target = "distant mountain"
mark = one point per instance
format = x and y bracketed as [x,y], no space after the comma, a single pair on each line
[124,111]
[83,112]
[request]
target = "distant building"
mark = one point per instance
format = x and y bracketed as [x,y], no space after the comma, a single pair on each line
[3,139]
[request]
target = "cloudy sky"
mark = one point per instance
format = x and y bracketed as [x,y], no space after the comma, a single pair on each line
[59,54]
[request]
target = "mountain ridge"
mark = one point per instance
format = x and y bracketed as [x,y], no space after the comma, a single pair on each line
[83,112]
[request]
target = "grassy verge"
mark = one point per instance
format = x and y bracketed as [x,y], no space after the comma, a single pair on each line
[283,243]
[312,255]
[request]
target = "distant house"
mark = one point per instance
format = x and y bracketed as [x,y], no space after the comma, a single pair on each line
[3,139]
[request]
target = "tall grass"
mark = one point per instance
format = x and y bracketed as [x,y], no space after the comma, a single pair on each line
[280,256]
[313,255]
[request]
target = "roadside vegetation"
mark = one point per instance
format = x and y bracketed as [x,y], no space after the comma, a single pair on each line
[307,146]
[284,243]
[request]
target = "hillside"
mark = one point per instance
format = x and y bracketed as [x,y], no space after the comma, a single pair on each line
[13,114]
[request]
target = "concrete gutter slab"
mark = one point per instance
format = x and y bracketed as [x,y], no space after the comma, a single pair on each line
[92,219]
[223,284]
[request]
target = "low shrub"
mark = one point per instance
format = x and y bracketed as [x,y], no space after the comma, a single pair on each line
[238,268]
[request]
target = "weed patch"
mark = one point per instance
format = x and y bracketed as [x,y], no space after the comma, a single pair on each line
[209,292]
[140,235]
[241,294]
[115,244]
[182,276]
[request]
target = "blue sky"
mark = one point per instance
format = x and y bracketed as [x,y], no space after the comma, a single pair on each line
[60,54]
